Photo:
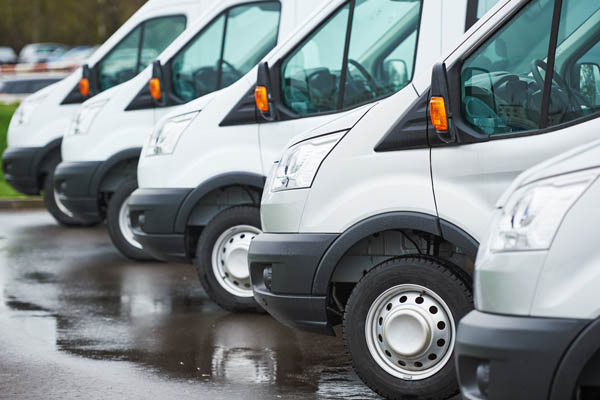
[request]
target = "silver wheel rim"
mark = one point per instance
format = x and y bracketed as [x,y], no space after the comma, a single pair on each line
[125,225]
[410,332]
[61,207]
[230,259]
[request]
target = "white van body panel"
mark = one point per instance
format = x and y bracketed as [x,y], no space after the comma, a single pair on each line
[51,119]
[200,145]
[469,179]
[115,129]
[336,202]
[561,282]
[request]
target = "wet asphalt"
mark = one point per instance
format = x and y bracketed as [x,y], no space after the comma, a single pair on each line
[78,320]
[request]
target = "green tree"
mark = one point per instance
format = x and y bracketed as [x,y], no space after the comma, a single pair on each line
[71,22]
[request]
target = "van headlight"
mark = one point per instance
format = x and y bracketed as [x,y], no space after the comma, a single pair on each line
[533,213]
[83,120]
[300,162]
[165,137]
[27,108]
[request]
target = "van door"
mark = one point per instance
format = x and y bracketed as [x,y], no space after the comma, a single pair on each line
[527,93]
[362,52]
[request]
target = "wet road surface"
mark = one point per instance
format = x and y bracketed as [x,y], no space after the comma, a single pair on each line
[78,320]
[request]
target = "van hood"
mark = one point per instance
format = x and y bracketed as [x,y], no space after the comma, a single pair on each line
[580,158]
[345,121]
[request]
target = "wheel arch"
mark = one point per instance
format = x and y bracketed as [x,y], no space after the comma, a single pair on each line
[196,209]
[242,179]
[115,170]
[45,159]
[421,222]
[581,356]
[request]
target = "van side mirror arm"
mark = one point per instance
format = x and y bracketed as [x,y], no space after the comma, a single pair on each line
[439,106]
[156,84]
[263,93]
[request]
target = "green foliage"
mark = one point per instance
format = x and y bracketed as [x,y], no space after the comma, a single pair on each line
[6,113]
[71,22]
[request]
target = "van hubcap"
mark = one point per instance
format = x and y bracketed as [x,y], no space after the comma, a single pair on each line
[125,225]
[410,332]
[61,207]
[230,259]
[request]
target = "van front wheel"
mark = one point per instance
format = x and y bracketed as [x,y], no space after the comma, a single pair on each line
[119,225]
[400,327]
[56,208]
[222,258]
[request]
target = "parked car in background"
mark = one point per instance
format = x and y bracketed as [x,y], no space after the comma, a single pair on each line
[105,140]
[16,88]
[374,221]
[36,53]
[36,130]
[202,172]
[72,58]
[536,331]
[7,55]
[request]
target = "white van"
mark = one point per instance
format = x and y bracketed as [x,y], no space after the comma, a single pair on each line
[101,150]
[374,221]
[203,170]
[36,130]
[536,331]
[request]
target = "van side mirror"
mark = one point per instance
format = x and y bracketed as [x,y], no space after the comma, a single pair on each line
[262,93]
[589,82]
[396,72]
[439,105]
[155,84]
[85,83]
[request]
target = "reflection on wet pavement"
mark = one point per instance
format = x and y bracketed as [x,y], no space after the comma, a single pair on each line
[79,320]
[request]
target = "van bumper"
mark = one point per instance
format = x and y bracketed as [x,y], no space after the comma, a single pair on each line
[506,357]
[285,289]
[18,167]
[72,181]
[153,213]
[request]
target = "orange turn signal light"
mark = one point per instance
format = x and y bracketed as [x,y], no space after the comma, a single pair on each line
[155,91]
[437,111]
[261,98]
[84,87]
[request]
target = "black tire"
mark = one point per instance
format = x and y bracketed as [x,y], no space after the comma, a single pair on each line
[54,209]
[112,219]
[226,219]
[431,273]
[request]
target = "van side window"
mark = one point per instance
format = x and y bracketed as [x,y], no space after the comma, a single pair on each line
[576,78]
[382,52]
[225,50]
[311,74]
[330,71]
[138,49]
[503,82]
[499,92]
[158,35]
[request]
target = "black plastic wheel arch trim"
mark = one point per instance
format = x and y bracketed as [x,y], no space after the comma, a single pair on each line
[384,222]
[220,181]
[583,348]
[106,166]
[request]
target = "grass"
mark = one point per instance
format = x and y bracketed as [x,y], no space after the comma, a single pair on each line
[6,113]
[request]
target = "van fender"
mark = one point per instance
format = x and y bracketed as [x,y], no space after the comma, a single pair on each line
[99,182]
[385,222]
[248,179]
[44,159]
